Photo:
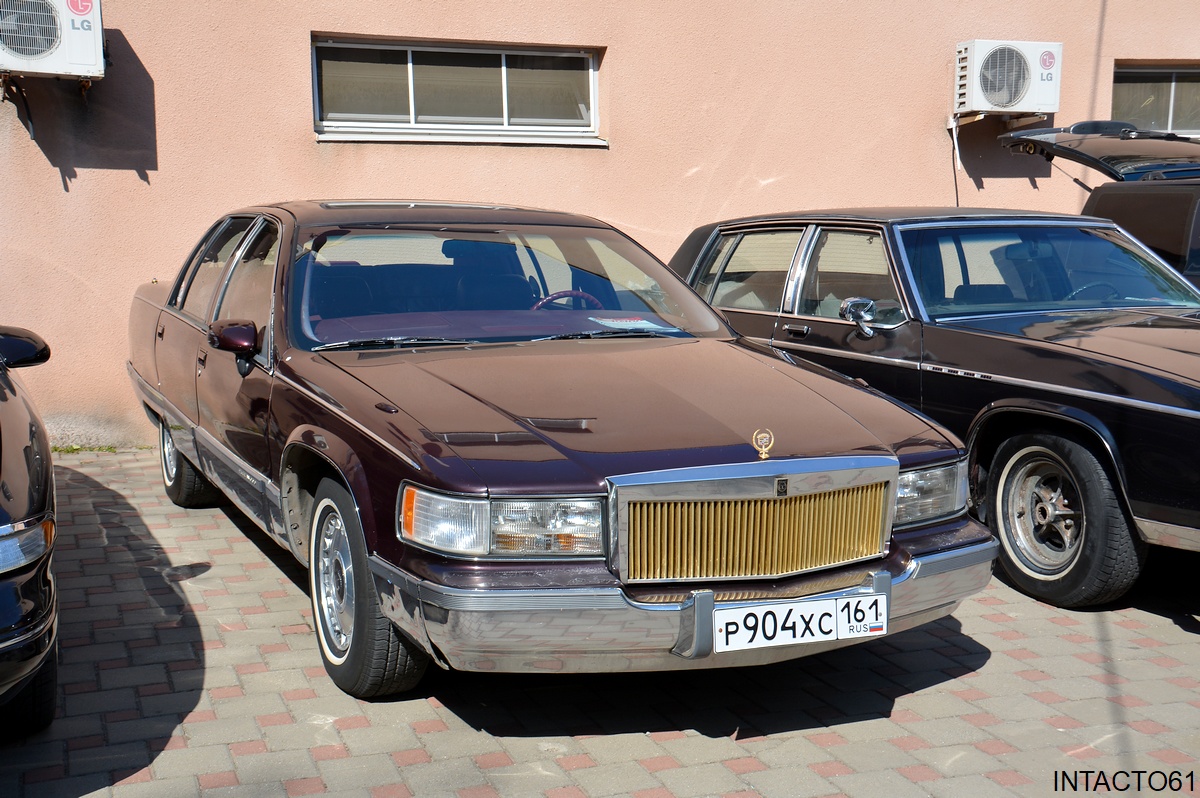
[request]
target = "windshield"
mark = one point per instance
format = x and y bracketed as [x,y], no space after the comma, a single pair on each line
[373,286]
[970,271]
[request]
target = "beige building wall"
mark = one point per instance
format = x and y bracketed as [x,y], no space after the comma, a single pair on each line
[709,109]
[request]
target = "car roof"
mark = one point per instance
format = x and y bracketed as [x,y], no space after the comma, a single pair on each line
[897,215]
[1118,150]
[418,212]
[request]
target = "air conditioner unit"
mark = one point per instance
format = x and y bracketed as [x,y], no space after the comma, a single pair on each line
[998,77]
[50,38]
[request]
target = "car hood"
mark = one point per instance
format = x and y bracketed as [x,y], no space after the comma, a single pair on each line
[558,413]
[1163,342]
[1115,149]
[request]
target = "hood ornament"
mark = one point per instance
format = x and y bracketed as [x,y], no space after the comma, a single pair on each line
[763,440]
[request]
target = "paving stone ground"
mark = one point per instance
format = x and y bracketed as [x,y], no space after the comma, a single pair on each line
[189,668]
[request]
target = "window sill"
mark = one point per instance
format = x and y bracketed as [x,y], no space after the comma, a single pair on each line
[465,137]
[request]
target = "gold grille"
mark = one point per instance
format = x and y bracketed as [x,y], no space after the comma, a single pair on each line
[747,538]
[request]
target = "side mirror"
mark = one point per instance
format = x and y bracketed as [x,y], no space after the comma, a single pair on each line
[239,336]
[20,347]
[860,311]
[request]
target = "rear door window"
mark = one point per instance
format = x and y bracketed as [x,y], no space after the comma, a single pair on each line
[754,273]
[201,282]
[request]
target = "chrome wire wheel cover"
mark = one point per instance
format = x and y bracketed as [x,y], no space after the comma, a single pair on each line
[334,581]
[166,445]
[1042,513]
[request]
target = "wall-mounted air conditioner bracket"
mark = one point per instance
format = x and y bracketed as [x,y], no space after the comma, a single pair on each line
[11,91]
[1015,122]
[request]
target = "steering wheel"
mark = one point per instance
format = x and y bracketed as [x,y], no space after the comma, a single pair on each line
[1113,292]
[584,295]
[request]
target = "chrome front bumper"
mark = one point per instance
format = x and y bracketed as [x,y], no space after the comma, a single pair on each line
[602,630]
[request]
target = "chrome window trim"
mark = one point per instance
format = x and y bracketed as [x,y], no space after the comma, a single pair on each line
[1104,398]
[846,354]
[791,289]
[850,324]
[750,480]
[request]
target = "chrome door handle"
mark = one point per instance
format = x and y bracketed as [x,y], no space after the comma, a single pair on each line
[797,330]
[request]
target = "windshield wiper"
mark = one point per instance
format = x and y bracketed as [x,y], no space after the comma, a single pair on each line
[395,343]
[604,334]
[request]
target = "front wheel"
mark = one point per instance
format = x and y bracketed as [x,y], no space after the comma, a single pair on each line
[1064,536]
[364,654]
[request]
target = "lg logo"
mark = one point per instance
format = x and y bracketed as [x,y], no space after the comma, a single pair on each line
[80,8]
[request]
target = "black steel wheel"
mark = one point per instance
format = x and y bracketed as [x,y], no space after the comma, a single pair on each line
[364,654]
[1064,536]
[183,482]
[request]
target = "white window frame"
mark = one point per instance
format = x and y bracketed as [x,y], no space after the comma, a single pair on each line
[585,135]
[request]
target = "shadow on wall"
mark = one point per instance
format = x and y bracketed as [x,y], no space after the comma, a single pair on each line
[982,156]
[113,128]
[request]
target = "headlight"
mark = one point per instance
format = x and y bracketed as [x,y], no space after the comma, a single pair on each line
[22,543]
[931,493]
[506,527]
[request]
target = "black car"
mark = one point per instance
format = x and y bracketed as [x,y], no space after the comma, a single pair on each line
[1064,352]
[28,610]
[1155,188]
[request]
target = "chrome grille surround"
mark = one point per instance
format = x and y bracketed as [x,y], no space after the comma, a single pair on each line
[756,520]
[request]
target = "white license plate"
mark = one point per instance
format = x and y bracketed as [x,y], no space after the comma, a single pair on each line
[786,623]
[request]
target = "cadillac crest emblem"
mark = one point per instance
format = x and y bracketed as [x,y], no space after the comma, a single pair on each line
[763,440]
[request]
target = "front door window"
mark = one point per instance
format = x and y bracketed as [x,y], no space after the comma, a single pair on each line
[845,264]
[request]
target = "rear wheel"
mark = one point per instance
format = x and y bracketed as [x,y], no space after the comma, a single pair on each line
[364,654]
[1064,536]
[184,484]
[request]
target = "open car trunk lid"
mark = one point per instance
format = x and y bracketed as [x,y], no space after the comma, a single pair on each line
[1117,150]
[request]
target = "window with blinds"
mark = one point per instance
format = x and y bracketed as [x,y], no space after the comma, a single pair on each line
[393,91]
[1157,99]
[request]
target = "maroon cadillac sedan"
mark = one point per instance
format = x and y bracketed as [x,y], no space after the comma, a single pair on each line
[511,440]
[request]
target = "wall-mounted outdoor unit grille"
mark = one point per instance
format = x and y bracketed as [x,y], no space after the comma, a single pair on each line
[1004,77]
[51,38]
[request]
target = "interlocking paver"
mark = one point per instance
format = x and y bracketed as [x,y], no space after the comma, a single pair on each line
[189,668]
